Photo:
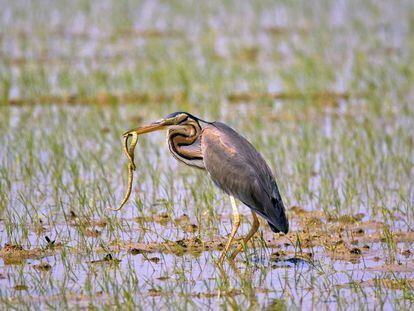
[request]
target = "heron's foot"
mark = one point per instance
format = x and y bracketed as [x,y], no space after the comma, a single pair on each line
[221,259]
[236,224]
[239,248]
[223,256]
[243,243]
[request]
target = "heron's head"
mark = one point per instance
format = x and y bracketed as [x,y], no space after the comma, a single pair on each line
[171,120]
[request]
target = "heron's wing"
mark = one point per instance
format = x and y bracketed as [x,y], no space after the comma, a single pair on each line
[236,167]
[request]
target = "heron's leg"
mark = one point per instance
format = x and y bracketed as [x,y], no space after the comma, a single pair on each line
[249,235]
[236,224]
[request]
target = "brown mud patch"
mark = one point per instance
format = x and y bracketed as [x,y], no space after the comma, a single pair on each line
[43,266]
[16,254]
[122,33]
[343,238]
[107,259]
[322,96]
[400,284]
[395,267]
[70,296]
[76,221]
[381,237]
[152,292]
[103,98]
[280,30]
[178,247]
[164,219]
[88,227]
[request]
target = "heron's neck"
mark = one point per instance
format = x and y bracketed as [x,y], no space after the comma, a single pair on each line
[184,144]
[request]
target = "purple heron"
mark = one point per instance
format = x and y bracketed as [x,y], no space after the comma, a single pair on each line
[233,164]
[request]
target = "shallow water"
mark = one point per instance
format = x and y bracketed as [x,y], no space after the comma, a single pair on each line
[324,91]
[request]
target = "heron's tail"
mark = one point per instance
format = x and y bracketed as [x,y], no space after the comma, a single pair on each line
[277,217]
[276,230]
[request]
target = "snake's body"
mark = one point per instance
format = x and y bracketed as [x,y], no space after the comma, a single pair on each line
[129,152]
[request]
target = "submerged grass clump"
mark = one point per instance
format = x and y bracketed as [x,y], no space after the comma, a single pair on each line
[323,90]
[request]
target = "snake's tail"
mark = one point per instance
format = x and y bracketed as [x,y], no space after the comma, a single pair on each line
[129,188]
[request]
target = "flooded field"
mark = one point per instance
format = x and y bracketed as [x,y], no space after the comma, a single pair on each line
[323,90]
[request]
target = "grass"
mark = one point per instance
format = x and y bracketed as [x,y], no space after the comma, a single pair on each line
[324,91]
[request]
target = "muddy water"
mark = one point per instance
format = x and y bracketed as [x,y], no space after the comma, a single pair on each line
[308,267]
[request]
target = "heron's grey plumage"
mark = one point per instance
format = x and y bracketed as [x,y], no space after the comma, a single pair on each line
[239,169]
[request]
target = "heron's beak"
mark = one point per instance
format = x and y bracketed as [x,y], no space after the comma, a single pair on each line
[155,126]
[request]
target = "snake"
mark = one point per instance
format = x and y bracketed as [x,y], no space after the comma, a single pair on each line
[129,152]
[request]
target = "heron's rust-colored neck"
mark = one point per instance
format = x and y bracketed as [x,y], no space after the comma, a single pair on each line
[184,143]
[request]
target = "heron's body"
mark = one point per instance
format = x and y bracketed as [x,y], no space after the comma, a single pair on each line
[238,169]
[233,164]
